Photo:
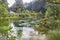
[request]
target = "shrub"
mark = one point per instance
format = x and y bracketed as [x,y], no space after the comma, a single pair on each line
[53,35]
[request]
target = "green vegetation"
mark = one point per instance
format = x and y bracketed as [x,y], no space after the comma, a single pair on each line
[4,22]
[53,35]
[53,15]
[50,21]
[43,23]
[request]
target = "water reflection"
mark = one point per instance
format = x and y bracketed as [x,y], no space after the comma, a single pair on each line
[27,32]
[22,33]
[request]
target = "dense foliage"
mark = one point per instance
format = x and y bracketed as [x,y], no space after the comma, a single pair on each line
[4,21]
[50,20]
[37,20]
[53,35]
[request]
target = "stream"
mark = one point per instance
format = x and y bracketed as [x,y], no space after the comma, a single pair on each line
[27,33]
[23,33]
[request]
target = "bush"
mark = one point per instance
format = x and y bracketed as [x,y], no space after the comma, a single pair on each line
[53,35]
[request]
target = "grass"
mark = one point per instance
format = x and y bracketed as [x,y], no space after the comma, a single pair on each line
[53,35]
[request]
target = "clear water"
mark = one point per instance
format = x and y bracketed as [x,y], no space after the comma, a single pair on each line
[24,33]
[27,32]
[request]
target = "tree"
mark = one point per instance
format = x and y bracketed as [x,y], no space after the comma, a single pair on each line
[4,21]
[52,17]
